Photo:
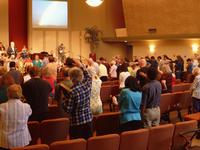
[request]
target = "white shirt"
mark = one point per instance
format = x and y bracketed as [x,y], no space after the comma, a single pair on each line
[14,131]
[102,70]
[195,87]
[96,66]
[95,100]
[122,78]
[113,71]
[27,77]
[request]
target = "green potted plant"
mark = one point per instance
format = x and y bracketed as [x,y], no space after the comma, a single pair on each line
[92,36]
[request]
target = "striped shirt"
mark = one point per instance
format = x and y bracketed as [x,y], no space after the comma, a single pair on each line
[14,131]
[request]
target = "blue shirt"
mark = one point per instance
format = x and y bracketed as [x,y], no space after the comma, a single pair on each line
[129,105]
[151,94]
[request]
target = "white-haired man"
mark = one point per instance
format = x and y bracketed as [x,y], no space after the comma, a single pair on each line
[77,104]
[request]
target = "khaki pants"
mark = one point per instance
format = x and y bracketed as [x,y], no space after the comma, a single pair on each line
[151,117]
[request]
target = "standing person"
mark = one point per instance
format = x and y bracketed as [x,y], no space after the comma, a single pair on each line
[77,105]
[14,116]
[49,73]
[179,67]
[113,70]
[123,75]
[12,50]
[36,92]
[5,81]
[189,66]
[141,73]
[129,102]
[151,93]
[195,90]
[37,62]
[63,89]
[16,74]
[154,62]
[103,73]
[95,99]
[167,80]
[2,48]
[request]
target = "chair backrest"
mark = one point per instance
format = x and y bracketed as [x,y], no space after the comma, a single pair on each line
[177,98]
[165,102]
[107,123]
[115,90]
[54,130]
[105,93]
[106,142]
[134,140]
[54,111]
[181,87]
[107,83]
[33,147]
[187,103]
[34,129]
[195,116]
[76,144]
[160,137]
[178,141]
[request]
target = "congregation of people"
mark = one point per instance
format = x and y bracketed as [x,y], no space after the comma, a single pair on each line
[28,86]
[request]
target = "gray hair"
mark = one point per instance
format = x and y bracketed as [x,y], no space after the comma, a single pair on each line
[76,74]
[196,71]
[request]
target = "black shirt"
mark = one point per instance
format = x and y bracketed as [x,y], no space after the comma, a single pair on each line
[142,80]
[36,91]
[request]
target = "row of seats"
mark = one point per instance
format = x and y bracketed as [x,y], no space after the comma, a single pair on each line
[58,129]
[49,131]
[175,102]
[181,87]
[163,137]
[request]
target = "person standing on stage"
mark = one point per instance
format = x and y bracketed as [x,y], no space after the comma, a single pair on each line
[12,50]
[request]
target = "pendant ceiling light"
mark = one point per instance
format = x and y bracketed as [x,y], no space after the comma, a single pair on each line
[94,3]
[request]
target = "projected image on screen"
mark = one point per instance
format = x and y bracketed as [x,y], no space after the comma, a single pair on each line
[49,13]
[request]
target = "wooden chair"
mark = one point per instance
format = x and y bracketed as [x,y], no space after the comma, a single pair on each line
[33,147]
[165,102]
[187,103]
[181,87]
[55,112]
[34,129]
[107,123]
[178,141]
[105,94]
[134,140]
[76,144]
[160,137]
[177,99]
[54,130]
[106,142]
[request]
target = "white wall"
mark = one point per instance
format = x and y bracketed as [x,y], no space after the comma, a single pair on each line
[168,47]
[4,34]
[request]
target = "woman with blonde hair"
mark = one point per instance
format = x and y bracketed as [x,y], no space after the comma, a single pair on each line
[195,90]
[167,80]
[13,120]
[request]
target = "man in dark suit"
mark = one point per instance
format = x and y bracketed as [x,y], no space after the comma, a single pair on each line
[12,50]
